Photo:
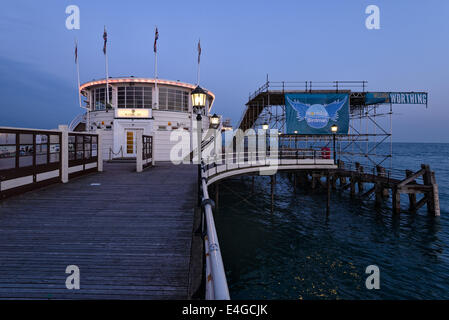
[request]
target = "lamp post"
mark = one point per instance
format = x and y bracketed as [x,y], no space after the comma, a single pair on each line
[334,129]
[198,103]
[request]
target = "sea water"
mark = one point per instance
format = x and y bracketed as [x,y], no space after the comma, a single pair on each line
[296,252]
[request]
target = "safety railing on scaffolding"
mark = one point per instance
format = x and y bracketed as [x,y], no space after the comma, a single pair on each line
[309,86]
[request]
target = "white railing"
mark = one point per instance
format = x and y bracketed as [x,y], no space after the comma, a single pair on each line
[216,284]
[279,159]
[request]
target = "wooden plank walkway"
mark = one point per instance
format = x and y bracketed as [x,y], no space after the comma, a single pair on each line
[130,236]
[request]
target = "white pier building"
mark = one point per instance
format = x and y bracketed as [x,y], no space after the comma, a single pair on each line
[138,104]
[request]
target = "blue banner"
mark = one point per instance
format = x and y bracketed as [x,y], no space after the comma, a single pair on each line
[315,113]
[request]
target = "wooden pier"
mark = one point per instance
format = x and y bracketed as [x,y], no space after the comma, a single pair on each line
[129,233]
[381,184]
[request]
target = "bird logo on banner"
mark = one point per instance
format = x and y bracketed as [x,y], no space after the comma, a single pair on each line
[317,115]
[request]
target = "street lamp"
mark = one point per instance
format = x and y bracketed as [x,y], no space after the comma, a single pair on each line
[214,121]
[198,99]
[198,103]
[265,126]
[334,129]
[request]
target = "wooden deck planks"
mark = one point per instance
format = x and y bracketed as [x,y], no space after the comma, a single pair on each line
[130,236]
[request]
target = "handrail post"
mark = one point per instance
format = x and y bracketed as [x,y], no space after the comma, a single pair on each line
[100,150]
[153,161]
[139,151]
[64,153]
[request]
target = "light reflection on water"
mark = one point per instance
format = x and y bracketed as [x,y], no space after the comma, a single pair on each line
[297,252]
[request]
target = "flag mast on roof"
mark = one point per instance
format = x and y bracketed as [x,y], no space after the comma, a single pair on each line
[79,86]
[105,38]
[156,36]
[199,59]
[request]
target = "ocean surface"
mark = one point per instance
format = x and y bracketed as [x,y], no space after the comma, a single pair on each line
[297,252]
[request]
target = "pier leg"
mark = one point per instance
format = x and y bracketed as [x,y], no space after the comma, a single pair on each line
[252,185]
[352,185]
[379,197]
[435,196]
[313,181]
[328,184]
[359,180]
[273,181]
[427,179]
[411,196]
[396,201]
[217,190]
[294,182]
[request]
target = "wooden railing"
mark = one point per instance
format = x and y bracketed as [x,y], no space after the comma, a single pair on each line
[82,153]
[145,151]
[30,158]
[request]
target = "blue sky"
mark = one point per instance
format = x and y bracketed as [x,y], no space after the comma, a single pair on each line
[242,41]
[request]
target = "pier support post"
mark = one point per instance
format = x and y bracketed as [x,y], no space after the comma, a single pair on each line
[429,180]
[433,200]
[252,184]
[328,185]
[411,196]
[64,153]
[273,181]
[334,181]
[381,173]
[217,190]
[352,182]
[435,195]
[378,192]
[359,180]
[396,200]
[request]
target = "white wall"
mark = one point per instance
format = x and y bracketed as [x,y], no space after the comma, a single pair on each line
[179,120]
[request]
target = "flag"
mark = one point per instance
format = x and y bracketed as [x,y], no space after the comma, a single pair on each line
[156,36]
[105,38]
[199,51]
[76,52]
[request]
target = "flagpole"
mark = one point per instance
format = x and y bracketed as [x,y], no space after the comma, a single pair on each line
[156,36]
[155,80]
[107,72]
[79,85]
[198,72]
[198,75]
[78,72]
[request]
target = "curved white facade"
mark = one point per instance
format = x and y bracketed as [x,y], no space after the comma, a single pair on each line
[139,104]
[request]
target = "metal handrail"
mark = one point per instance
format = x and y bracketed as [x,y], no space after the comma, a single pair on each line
[78,119]
[216,284]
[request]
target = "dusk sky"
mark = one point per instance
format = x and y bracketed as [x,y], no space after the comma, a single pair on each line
[242,42]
